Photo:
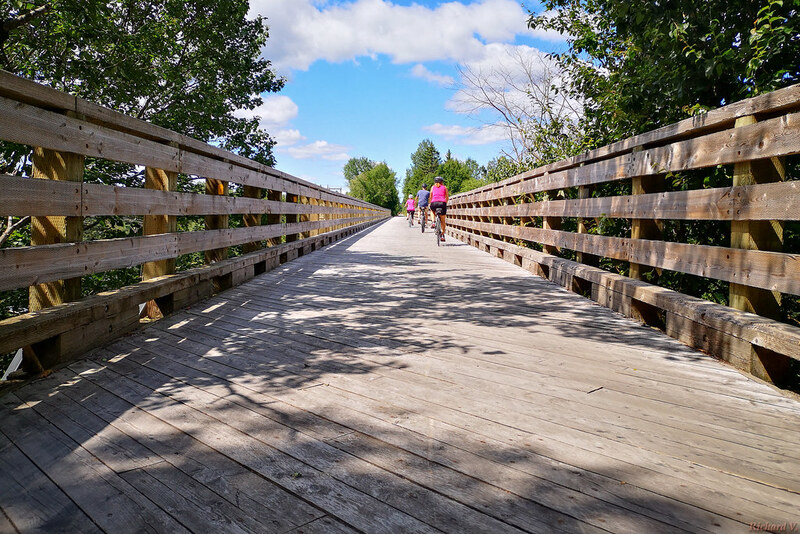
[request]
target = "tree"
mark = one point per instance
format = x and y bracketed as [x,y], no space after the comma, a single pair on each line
[497,170]
[187,65]
[523,97]
[638,65]
[377,186]
[425,162]
[356,166]
[457,173]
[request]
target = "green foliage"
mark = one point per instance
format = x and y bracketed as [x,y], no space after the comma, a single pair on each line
[497,170]
[187,65]
[356,166]
[426,164]
[377,186]
[638,65]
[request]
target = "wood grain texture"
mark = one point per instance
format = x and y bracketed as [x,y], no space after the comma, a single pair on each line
[317,395]
[37,326]
[768,270]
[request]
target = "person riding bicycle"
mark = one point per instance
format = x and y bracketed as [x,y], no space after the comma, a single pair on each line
[410,208]
[423,199]
[439,197]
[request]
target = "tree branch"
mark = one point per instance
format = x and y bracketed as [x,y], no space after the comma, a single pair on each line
[11,227]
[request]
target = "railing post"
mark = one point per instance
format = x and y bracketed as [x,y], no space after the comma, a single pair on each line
[550,223]
[291,218]
[62,166]
[585,191]
[274,218]
[644,228]
[252,219]
[758,235]
[304,217]
[217,222]
[159,180]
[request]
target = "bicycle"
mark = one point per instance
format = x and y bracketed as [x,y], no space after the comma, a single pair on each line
[410,218]
[438,228]
[423,218]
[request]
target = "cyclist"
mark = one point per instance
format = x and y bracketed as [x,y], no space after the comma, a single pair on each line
[439,197]
[423,197]
[410,210]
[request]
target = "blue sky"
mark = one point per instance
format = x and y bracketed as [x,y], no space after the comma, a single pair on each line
[375,77]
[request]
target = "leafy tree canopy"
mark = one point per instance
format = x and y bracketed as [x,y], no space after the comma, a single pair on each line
[426,164]
[187,65]
[356,166]
[638,64]
[378,186]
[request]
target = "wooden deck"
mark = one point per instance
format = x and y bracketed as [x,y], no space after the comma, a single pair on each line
[383,384]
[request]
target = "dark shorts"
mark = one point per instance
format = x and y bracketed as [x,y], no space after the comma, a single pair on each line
[410,212]
[436,205]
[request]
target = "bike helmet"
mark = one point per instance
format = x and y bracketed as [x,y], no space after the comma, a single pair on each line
[438,180]
[424,186]
[410,196]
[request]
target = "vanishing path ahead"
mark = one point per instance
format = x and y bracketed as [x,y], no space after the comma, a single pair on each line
[383,384]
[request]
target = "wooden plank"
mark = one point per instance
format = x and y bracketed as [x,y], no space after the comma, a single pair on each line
[31,126]
[769,270]
[216,222]
[24,196]
[765,332]
[56,166]
[339,499]
[252,219]
[783,100]
[771,138]
[28,328]
[330,411]
[31,265]
[644,228]
[70,467]
[774,201]
[427,505]
[261,499]
[38,127]
[226,315]
[31,501]
[159,180]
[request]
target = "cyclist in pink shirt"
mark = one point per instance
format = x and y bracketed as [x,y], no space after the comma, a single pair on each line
[410,209]
[439,197]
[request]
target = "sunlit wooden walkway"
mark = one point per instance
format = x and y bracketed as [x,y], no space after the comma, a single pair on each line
[383,384]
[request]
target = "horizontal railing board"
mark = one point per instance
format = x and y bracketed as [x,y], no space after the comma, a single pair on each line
[773,201]
[782,100]
[29,196]
[760,331]
[772,138]
[29,92]
[28,125]
[26,266]
[33,327]
[767,270]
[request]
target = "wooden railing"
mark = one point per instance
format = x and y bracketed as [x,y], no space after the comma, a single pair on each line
[64,130]
[531,211]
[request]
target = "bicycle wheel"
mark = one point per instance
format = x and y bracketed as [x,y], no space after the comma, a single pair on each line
[423,219]
[438,231]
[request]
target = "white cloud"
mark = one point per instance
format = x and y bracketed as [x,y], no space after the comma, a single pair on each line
[304,31]
[420,71]
[275,112]
[320,150]
[483,135]
[286,138]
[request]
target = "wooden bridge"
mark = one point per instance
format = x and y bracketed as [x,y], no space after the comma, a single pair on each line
[344,374]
